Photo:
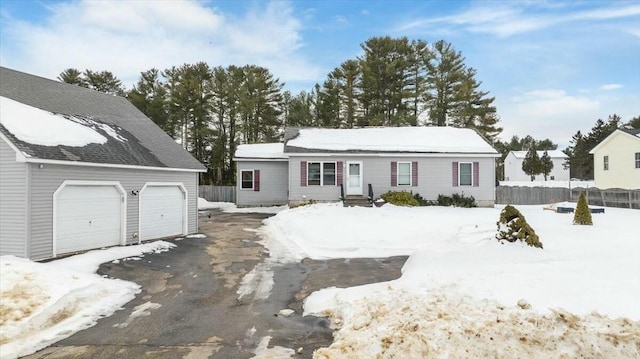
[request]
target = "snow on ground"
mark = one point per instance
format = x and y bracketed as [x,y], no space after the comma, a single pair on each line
[553,184]
[229,207]
[461,282]
[42,303]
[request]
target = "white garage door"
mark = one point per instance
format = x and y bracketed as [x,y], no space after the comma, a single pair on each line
[88,217]
[161,212]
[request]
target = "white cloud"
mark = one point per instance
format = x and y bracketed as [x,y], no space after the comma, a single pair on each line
[127,37]
[504,19]
[548,113]
[609,87]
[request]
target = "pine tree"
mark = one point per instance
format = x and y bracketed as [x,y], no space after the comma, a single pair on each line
[546,164]
[104,81]
[583,214]
[531,163]
[445,73]
[150,96]
[579,160]
[72,76]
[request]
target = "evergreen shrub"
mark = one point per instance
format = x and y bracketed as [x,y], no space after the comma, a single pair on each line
[512,226]
[583,213]
[457,200]
[400,198]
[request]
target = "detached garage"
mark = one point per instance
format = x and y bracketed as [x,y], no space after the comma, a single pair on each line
[80,169]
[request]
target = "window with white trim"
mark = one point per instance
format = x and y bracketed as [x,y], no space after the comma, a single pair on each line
[606,163]
[465,174]
[637,159]
[321,173]
[246,179]
[404,173]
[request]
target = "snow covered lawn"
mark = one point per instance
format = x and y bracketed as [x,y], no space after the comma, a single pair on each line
[459,290]
[42,303]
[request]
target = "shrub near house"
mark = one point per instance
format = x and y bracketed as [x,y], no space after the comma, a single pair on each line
[513,227]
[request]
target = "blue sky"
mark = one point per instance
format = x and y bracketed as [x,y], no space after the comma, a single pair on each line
[555,67]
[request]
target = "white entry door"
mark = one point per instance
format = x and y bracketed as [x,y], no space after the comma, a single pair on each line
[354,178]
[161,211]
[87,217]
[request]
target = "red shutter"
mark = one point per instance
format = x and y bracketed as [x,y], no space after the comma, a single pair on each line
[256,180]
[394,174]
[454,173]
[414,173]
[476,174]
[303,173]
[339,173]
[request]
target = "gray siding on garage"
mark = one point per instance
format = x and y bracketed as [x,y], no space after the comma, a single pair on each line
[13,203]
[434,178]
[274,183]
[45,181]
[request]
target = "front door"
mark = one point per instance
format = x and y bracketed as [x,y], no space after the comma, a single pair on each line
[354,178]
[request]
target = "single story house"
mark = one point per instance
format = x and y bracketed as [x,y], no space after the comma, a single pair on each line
[616,160]
[80,169]
[316,164]
[513,167]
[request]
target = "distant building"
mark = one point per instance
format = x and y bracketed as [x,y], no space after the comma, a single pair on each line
[513,167]
[616,160]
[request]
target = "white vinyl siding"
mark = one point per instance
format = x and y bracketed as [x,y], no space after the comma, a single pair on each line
[434,177]
[45,181]
[13,203]
[273,183]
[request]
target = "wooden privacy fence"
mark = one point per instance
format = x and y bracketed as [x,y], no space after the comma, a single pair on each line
[217,193]
[611,197]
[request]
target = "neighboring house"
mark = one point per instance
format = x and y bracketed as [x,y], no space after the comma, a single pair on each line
[616,160]
[324,164]
[513,167]
[80,169]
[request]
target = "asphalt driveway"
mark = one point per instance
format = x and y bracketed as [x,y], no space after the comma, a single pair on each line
[189,306]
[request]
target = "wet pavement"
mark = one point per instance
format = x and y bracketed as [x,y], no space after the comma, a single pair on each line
[188,306]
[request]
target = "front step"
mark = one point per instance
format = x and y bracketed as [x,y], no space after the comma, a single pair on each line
[359,201]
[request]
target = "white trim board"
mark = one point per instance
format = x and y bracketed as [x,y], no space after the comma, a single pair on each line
[109,165]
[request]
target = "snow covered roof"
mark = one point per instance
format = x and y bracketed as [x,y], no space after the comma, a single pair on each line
[552,154]
[48,120]
[388,140]
[261,151]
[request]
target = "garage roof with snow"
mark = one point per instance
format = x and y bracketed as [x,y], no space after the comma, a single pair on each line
[51,120]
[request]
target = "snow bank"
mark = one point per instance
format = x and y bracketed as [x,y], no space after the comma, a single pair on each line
[442,323]
[42,303]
